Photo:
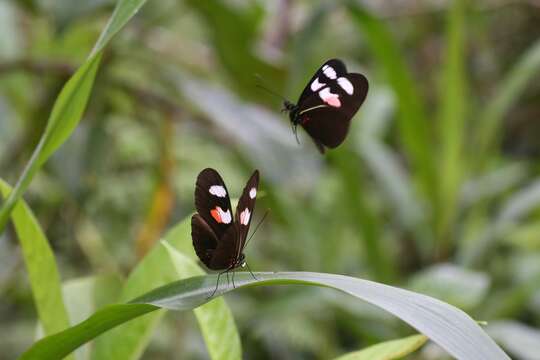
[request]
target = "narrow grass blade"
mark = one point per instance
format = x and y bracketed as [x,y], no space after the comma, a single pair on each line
[446,325]
[506,95]
[412,121]
[451,125]
[388,350]
[41,267]
[69,106]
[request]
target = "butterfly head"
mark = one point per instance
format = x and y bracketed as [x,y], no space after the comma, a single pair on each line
[241,261]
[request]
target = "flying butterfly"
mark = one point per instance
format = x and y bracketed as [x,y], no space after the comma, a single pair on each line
[328,103]
[218,238]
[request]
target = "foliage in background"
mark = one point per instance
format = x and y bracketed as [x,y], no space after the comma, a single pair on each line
[427,190]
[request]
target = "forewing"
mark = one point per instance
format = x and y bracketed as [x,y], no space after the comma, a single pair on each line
[212,201]
[204,239]
[324,76]
[326,114]
[245,207]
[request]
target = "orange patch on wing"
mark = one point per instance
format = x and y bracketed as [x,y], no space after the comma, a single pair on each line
[215,215]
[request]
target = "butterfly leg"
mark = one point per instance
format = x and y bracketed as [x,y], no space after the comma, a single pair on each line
[234,286]
[227,273]
[253,275]
[217,284]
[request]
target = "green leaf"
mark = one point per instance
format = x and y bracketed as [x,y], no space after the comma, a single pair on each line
[41,267]
[66,113]
[215,318]
[388,350]
[506,95]
[124,10]
[446,325]
[69,106]
[130,340]
[452,125]
[412,121]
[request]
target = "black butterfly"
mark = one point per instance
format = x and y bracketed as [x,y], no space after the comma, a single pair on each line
[218,239]
[328,103]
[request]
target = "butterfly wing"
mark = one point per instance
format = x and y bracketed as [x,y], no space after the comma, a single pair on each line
[328,72]
[326,114]
[225,255]
[244,209]
[204,239]
[212,202]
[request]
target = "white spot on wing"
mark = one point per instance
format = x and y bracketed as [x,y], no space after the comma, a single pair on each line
[316,85]
[346,85]
[217,190]
[329,71]
[252,193]
[330,98]
[244,216]
[225,215]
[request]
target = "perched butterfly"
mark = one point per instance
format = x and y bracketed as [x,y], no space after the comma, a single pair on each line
[218,238]
[328,103]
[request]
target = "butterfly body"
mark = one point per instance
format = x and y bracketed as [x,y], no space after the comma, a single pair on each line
[328,103]
[218,237]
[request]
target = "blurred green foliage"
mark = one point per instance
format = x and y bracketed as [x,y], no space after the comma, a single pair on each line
[435,189]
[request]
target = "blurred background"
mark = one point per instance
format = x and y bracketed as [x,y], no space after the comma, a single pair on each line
[436,188]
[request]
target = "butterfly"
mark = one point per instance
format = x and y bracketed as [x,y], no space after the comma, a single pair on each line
[218,238]
[328,103]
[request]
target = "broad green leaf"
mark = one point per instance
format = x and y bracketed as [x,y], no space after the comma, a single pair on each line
[69,106]
[41,267]
[388,350]
[446,325]
[412,121]
[215,318]
[506,95]
[157,269]
[452,125]
[83,296]
[130,340]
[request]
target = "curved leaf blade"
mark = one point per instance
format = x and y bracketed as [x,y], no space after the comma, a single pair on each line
[41,267]
[446,325]
[215,318]
[388,350]
[507,94]
[69,106]
[157,269]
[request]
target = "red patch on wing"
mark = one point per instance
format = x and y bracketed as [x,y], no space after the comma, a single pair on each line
[215,215]
[333,101]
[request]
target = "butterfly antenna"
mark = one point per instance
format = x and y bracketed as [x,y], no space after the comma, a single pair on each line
[271,92]
[257,227]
